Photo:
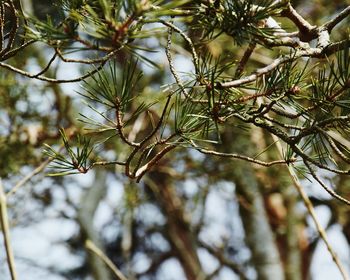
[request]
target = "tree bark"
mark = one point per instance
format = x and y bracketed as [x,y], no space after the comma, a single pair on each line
[259,236]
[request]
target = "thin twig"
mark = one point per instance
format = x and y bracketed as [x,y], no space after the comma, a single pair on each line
[187,39]
[142,170]
[336,136]
[239,156]
[128,162]
[324,48]
[324,186]
[262,71]
[2,18]
[13,31]
[46,68]
[116,271]
[337,46]
[104,163]
[171,64]
[26,178]
[14,51]
[311,210]
[320,229]
[6,232]
[248,52]
[334,146]
[160,122]
[333,22]
[289,140]
[304,156]
[146,150]
[120,125]
[51,80]
[88,61]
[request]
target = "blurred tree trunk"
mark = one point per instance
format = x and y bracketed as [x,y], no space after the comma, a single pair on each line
[293,252]
[280,199]
[178,228]
[259,236]
[258,232]
[88,205]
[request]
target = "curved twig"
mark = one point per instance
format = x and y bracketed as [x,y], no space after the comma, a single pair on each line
[187,39]
[246,158]
[51,80]
[324,186]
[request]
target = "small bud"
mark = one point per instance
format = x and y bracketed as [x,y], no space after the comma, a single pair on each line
[294,90]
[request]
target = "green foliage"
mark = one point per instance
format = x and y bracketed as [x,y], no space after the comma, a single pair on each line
[192,123]
[243,20]
[78,157]
[342,71]
[112,90]
[106,23]
[301,102]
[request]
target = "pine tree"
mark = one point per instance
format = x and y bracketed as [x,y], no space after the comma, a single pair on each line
[247,92]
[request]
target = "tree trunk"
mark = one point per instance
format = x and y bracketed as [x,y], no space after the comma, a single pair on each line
[178,228]
[259,236]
